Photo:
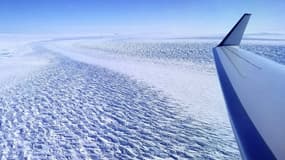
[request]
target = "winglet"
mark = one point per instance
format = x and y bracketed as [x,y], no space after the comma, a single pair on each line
[234,37]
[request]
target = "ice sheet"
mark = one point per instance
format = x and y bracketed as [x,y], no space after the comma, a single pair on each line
[198,90]
[78,102]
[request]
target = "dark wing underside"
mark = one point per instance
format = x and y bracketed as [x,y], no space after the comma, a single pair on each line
[253,88]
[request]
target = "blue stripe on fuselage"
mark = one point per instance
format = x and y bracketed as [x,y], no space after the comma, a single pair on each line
[250,141]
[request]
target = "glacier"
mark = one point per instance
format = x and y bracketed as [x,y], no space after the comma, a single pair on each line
[114,98]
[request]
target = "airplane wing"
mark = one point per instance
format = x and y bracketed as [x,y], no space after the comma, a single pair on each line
[254,91]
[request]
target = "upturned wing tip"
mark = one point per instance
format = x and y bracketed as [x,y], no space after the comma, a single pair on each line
[234,37]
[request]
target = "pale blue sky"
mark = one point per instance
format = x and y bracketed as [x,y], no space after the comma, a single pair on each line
[192,17]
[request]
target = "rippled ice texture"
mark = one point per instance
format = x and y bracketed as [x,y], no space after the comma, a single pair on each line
[78,111]
[73,110]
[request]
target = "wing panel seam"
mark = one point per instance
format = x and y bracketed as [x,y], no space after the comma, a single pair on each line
[246,60]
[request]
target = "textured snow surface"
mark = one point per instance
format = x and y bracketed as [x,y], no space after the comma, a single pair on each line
[74,110]
[17,61]
[114,99]
[192,84]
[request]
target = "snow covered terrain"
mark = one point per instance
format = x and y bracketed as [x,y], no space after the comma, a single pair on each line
[114,98]
[17,58]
